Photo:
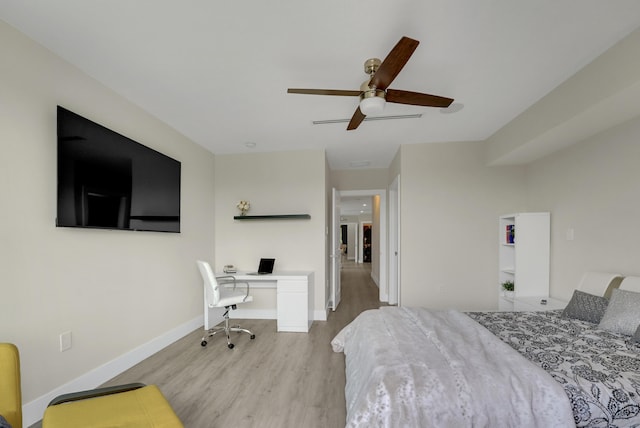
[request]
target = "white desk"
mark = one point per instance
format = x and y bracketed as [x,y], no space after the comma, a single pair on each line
[294,301]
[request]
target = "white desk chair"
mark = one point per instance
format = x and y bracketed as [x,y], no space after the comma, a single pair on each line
[223,292]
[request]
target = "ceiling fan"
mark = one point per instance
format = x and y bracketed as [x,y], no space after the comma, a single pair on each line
[375,92]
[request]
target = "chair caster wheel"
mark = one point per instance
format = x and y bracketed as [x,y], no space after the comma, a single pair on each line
[253,336]
[203,343]
[230,346]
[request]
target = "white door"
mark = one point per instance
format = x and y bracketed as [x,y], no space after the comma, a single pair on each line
[394,241]
[335,254]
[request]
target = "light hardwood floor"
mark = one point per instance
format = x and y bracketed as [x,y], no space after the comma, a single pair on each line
[278,380]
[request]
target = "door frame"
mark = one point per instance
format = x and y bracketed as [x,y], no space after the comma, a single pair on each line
[382,280]
[354,245]
[360,230]
[335,255]
[394,242]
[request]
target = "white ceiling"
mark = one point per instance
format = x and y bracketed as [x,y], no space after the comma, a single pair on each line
[218,71]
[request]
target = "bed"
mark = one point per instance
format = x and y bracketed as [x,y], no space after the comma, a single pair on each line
[416,367]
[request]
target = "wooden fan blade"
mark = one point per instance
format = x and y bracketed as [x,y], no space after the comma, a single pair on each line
[394,62]
[356,120]
[339,92]
[417,99]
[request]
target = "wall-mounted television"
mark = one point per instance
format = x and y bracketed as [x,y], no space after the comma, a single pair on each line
[108,181]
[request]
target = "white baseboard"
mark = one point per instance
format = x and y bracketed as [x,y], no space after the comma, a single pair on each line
[32,412]
[320,315]
[268,314]
[383,294]
[375,279]
[253,314]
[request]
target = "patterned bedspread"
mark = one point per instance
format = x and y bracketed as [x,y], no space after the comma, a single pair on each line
[600,371]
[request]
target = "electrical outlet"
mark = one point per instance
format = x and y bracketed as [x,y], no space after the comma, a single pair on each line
[65,341]
[570,234]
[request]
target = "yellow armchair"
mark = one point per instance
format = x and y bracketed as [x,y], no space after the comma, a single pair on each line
[143,406]
[10,391]
[127,405]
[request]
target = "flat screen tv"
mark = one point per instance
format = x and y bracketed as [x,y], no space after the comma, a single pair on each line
[108,181]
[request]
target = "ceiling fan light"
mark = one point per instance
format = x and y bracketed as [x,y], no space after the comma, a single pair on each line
[372,106]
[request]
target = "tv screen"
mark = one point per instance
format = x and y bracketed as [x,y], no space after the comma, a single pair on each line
[108,181]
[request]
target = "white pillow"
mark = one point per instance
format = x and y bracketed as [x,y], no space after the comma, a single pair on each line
[623,313]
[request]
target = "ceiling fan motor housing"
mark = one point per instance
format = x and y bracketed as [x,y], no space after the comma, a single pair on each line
[371,65]
[372,100]
[368,92]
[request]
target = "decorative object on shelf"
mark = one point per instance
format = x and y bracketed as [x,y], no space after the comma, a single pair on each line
[243,206]
[510,234]
[508,289]
[508,286]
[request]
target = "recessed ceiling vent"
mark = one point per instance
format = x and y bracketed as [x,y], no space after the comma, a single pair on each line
[368,118]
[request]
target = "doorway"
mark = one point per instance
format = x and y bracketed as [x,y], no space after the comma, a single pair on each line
[366,242]
[379,250]
[350,242]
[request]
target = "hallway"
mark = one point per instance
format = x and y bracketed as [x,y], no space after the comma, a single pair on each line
[359,293]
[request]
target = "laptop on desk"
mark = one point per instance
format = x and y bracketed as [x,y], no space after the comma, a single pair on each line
[265,267]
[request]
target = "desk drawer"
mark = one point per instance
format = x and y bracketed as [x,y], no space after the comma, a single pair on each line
[295,286]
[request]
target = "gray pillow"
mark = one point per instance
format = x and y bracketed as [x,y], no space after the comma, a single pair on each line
[623,313]
[586,307]
[636,335]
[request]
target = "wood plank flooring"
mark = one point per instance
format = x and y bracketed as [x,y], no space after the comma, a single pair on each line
[278,380]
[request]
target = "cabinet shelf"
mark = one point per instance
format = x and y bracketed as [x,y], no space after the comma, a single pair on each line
[273,217]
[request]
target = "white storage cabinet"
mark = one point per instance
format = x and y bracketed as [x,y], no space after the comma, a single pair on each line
[524,251]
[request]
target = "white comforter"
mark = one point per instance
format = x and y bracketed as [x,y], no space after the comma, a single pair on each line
[409,367]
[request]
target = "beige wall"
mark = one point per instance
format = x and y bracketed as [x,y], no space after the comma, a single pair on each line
[593,188]
[603,94]
[394,168]
[450,204]
[274,183]
[114,290]
[359,179]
